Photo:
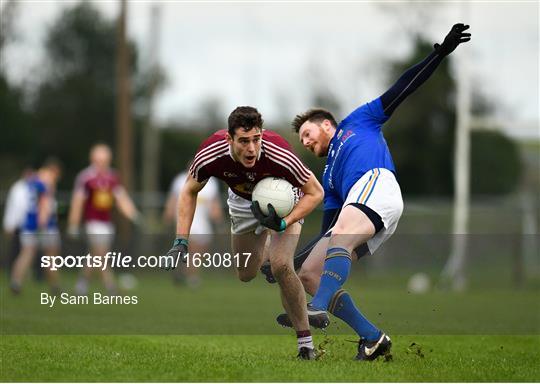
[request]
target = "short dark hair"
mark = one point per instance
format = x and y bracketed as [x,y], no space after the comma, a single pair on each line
[315,115]
[245,117]
[52,162]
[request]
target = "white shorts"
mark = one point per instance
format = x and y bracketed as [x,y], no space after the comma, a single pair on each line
[45,239]
[99,233]
[242,219]
[379,190]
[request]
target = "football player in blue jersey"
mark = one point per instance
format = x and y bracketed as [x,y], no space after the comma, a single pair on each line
[362,198]
[39,229]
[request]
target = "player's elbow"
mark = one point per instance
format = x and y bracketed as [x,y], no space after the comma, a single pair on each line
[317,191]
[316,198]
[319,195]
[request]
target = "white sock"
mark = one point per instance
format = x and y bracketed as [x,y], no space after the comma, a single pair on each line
[305,342]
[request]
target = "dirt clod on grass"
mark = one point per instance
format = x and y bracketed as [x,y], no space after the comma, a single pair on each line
[415,349]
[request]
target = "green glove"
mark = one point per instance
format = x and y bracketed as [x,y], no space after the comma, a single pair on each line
[272,220]
[179,251]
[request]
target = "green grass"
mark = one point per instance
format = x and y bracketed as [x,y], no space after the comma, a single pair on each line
[225,306]
[225,331]
[263,358]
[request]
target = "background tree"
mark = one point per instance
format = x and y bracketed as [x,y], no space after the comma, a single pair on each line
[496,167]
[17,139]
[421,132]
[74,105]
[421,137]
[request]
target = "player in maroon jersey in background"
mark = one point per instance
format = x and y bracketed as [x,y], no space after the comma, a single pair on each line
[96,190]
[241,157]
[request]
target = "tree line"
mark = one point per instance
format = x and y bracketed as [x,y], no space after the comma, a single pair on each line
[73,106]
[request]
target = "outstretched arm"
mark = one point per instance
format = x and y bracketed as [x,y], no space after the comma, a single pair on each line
[126,205]
[417,75]
[187,203]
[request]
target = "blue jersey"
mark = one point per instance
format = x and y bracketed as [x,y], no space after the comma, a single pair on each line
[357,147]
[36,189]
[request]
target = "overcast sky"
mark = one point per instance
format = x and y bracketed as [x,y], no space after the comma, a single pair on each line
[252,52]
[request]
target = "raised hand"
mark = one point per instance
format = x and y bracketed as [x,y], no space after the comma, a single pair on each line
[455,37]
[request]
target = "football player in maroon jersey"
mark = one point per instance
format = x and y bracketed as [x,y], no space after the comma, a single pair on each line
[97,188]
[241,156]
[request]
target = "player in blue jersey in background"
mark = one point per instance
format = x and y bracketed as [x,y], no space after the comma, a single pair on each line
[39,229]
[362,198]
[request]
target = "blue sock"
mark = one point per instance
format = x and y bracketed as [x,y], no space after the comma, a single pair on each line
[343,307]
[336,270]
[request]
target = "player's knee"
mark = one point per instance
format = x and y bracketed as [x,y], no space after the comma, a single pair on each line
[246,276]
[309,280]
[305,276]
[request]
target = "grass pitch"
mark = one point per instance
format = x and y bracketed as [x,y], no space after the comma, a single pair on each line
[264,358]
[225,331]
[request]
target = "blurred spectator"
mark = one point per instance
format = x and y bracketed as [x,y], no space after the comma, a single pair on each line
[16,203]
[97,188]
[14,212]
[32,210]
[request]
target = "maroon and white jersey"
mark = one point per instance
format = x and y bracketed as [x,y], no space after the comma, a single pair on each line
[276,159]
[99,189]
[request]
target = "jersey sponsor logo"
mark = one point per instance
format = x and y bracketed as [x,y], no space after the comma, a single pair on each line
[102,199]
[251,176]
[333,275]
[347,135]
[229,174]
[244,188]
